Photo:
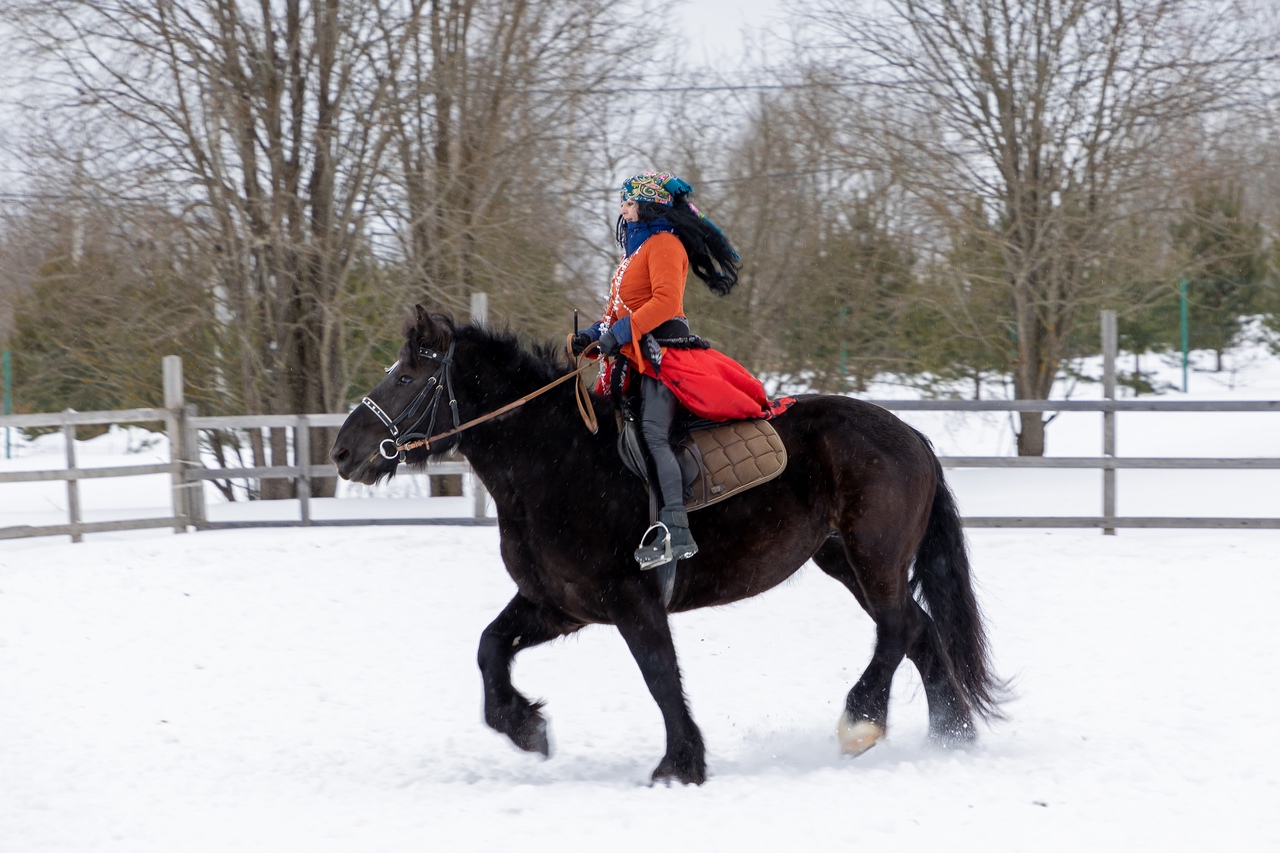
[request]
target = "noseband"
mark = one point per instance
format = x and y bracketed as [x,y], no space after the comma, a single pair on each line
[422,409]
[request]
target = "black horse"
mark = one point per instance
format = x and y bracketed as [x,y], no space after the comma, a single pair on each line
[862,496]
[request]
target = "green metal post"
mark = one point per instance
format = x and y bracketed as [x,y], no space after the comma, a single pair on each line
[844,350]
[1186,330]
[8,401]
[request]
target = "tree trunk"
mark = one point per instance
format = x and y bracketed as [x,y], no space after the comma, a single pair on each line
[1030,434]
[321,441]
[1032,380]
[278,488]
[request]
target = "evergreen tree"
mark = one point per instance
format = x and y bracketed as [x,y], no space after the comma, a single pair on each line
[1269,298]
[842,322]
[960,325]
[1225,264]
[109,300]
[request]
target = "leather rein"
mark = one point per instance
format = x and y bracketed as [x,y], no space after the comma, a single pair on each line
[412,439]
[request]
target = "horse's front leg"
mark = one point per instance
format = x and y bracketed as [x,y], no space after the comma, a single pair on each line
[522,624]
[642,621]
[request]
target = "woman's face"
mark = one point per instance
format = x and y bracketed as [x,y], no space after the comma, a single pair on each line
[631,211]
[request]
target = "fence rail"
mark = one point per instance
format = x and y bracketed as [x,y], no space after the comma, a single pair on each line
[1103,406]
[302,474]
[188,471]
[1108,521]
[73,474]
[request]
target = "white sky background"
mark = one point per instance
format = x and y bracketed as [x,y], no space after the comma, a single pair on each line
[724,35]
[721,33]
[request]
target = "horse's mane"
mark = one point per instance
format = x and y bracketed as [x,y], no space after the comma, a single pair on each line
[541,360]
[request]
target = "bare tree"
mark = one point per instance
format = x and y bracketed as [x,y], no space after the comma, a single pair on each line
[334,160]
[1046,115]
[765,181]
[259,122]
[500,123]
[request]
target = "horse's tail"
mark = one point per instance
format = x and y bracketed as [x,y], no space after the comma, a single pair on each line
[942,582]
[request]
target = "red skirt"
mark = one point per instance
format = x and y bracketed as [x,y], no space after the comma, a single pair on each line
[711,385]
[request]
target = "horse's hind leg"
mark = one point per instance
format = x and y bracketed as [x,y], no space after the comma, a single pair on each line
[902,628]
[521,625]
[950,717]
[887,600]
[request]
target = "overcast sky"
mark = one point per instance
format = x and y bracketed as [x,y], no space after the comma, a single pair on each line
[716,28]
[718,33]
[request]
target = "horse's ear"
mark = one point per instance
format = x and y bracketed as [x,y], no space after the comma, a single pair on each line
[426,328]
[428,325]
[422,320]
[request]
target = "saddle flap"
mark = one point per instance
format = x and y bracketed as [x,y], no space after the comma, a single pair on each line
[732,457]
[717,461]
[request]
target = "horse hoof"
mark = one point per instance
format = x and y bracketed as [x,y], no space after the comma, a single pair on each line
[669,770]
[532,736]
[857,737]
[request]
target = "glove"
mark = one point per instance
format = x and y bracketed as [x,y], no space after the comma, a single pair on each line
[609,344]
[586,338]
[612,338]
[621,330]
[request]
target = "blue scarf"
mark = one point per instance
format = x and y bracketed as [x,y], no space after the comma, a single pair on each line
[638,232]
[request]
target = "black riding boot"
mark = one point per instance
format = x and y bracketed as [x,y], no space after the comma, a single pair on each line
[674,541]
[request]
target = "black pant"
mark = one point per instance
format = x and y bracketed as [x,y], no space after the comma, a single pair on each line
[657,412]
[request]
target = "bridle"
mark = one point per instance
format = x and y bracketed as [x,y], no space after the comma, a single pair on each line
[428,400]
[424,407]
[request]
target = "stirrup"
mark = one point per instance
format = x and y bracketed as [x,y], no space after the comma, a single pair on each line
[658,551]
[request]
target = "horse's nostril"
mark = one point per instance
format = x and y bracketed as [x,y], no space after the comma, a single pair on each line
[338,454]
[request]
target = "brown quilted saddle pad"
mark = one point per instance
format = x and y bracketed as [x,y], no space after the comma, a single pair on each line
[731,458]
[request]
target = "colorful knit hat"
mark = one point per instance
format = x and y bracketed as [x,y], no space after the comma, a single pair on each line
[658,187]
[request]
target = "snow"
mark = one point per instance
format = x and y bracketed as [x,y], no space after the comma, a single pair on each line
[316,689]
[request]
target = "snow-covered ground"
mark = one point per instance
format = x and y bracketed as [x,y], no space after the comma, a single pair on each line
[316,690]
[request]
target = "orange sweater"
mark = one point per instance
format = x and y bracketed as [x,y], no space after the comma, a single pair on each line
[650,290]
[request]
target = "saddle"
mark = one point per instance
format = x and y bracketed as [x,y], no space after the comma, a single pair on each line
[717,460]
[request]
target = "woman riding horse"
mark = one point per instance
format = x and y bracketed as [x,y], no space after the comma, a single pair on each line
[645,331]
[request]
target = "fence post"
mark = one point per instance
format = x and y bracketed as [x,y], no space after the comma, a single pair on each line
[8,400]
[302,459]
[479,314]
[1184,323]
[175,424]
[73,484]
[196,514]
[1109,347]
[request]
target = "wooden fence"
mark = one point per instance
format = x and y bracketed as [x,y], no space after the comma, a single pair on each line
[73,474]
[301,474]
[188,472]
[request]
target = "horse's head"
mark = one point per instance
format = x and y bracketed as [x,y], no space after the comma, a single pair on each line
[411,404]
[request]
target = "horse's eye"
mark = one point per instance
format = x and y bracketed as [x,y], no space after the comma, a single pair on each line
[405,379]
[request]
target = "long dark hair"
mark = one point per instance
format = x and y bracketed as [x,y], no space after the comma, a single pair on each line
[711,257]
